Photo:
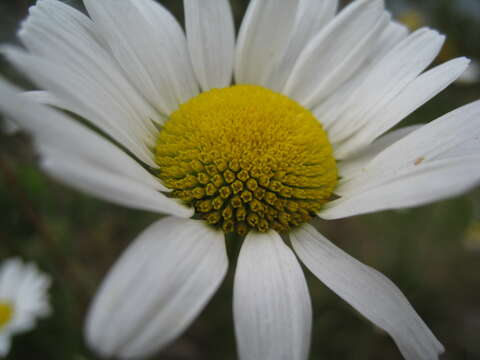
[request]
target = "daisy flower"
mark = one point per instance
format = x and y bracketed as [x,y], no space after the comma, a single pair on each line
[23,299]
[302,131]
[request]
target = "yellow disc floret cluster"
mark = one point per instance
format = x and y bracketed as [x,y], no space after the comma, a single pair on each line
[247,158]
[6,313]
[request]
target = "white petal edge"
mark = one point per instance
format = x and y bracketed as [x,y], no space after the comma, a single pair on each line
[437,161]
[156,289]
[211,41]
[372,294]
[271,303]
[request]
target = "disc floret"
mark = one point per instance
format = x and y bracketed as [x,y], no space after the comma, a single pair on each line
[247,158]
[6,313]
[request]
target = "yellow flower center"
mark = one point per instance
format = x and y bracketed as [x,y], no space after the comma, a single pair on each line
[247,158]
[6,313]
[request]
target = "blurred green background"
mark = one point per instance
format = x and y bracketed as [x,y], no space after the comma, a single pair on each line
[432,253]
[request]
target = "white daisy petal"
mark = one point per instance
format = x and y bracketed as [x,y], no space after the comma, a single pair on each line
[391,36]
[349,168]
[330,110]
[272,306]
[211,41]
[262,39]
[387,79]
[107,185]
[312,16]
[433,181]
[180,264]
[10,275]
[415,94]
[45,98]
[368,291]
[57,131]
[82,158]
[63,35]
[150,46]
[337,52]
[32,296]
[437,161]
[5,344]
[84,98]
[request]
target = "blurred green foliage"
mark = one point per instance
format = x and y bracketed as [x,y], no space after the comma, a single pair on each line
[432,253]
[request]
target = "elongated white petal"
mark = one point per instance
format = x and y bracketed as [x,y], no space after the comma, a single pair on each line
[439,160]
[108,185]
[5,344]
[350,168]
[271,303]
[64,36]
[393,34]
[330,110]
[262,39]
[211,41]
[80,157]
[312,16]
[433,181]
[369,292]
[417,93]
[85,98]
[337,52]
[45,98]
[150,46]
[57,131]
[67,37]
[156,289]
[383,83]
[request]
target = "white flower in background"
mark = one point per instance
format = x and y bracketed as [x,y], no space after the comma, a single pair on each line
[23,299]
[300,135]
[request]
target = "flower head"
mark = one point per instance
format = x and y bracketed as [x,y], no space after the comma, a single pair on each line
[23,299]
[298,134]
